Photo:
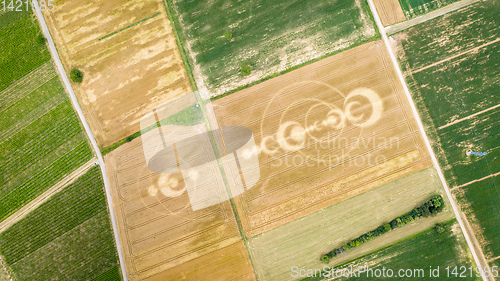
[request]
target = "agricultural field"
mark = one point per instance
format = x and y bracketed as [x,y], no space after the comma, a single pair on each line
[414,8]
[390,11]
[128,56]
[70,230]
[452,68]
[21,53]
[482,199]
[326,132]
[428,249]
[301,242]
[162,237]
[219,36]
[41,139]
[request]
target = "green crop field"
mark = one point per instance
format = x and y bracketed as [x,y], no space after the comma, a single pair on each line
[413,8]
[69,237]
[41,139]
[452,66]
[429,249]
[449,35]
[111,275]
[480,134]
[484,200]
[220,35]
[456,84]
[20,52]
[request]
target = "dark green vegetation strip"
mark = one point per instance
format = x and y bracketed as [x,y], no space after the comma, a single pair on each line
[413,8]
[186,117]
[20,53]
[484,200]
[269,39]
[421,251]
[71,228]
[433,206]
[127,27]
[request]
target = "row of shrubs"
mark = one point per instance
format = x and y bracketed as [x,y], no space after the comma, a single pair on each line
[430,208]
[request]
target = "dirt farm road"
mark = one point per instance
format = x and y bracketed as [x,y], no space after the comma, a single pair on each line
[434,14]
[35,203]
[474,247]
[88,131]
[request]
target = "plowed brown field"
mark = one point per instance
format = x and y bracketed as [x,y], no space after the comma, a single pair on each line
[327,132]
[125,74]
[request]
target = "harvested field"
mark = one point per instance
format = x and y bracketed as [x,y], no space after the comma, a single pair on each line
[301,242]
[390,11]
[129,58]
[211,266]
[327,132]
[162,236]
[220,35]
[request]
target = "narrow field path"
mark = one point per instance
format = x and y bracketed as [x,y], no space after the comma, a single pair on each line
[423,18]
[468,117]
[478,180]
[467,231]
[88,131]
[42,198]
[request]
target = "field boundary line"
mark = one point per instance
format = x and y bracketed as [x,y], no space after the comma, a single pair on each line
[42,198]
[67,85]
[455,56]
[468,117]
[474,247]
[494,259]
[431,15]
[127,27]
[474,181]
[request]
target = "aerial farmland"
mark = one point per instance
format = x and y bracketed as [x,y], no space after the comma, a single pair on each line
[460,106]
[164,140]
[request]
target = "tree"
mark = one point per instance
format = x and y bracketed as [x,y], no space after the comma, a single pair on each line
[76,75]
[228,35]
[439,228]
[325,259]
[246,69]
[387,227]
[129,139]
[40,39]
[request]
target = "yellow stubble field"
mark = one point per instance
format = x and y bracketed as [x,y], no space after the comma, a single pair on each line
[129,58]
[326,132]
[162,237]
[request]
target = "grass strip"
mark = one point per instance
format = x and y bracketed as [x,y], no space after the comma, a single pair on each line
[127,27]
